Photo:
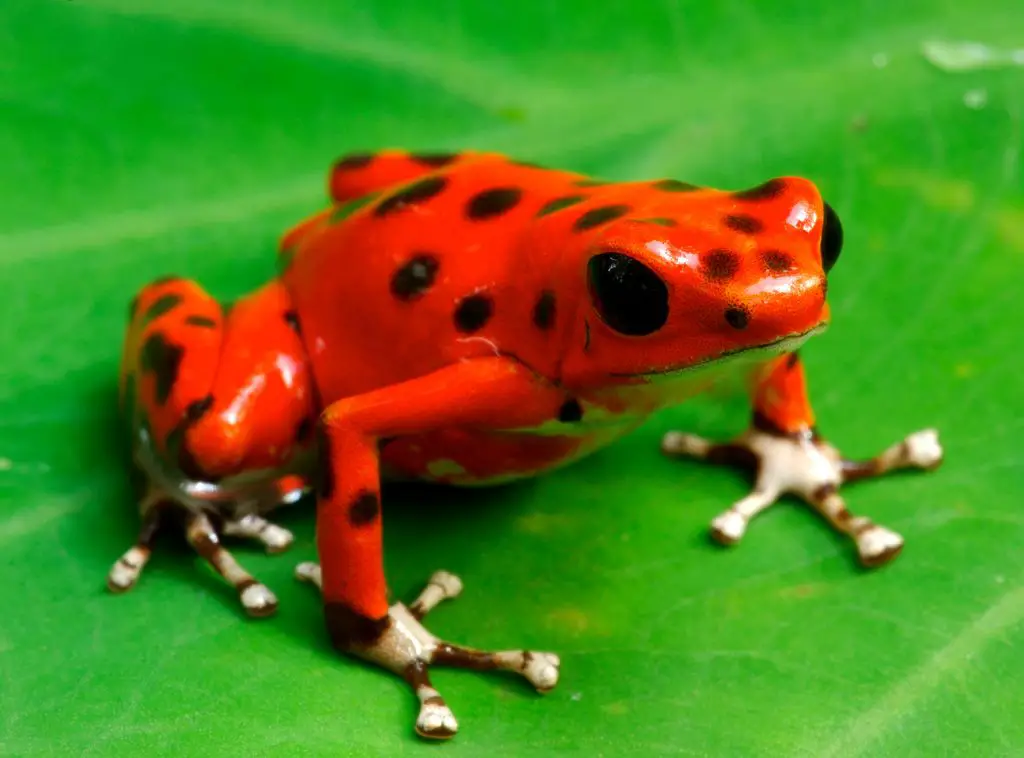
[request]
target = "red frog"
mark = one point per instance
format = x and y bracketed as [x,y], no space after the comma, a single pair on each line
[470,319]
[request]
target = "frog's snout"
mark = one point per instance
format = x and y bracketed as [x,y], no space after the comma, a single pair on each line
[776,305]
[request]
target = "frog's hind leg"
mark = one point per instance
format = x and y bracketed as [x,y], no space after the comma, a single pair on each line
[198,507]
[256,597]
[210,409]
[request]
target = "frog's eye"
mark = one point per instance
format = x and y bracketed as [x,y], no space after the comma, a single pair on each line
[628,296]
[831,238]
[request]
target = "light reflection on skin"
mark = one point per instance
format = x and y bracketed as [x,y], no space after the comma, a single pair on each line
[783,285]
[673,255]
[287,367]
[802,217]
[241,402]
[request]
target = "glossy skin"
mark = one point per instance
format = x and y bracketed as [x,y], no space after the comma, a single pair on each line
[468,319]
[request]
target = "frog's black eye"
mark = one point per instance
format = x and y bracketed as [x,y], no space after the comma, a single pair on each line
[628,296]
[831,238]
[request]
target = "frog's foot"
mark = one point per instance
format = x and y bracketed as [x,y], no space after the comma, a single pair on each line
[275,539]
[812,469]
[400,643]
[256,598]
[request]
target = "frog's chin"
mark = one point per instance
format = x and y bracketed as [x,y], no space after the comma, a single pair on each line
[753,354]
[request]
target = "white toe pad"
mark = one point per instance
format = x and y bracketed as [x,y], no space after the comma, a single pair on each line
[542,670]
[878,545]
[258,600]
[923,448]
[436,721]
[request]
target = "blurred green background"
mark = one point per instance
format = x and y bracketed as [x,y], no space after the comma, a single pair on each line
[182,136]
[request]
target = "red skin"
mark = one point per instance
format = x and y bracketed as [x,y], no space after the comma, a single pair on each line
[472,406]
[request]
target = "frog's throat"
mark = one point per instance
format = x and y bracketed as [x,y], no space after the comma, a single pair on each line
[786,344]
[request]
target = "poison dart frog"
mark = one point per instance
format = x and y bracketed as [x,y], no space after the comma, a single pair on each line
[470,319]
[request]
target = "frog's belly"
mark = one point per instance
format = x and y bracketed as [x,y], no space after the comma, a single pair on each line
[477,458]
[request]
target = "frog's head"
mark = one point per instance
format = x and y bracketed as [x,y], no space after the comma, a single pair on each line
[702,276]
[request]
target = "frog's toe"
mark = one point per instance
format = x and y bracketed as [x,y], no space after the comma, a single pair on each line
[442,586]
[258,600]
[541,670]
[683,444]
[923,449]
[125,573]
[728,528]
[878,545]
[275,539]
[435,720]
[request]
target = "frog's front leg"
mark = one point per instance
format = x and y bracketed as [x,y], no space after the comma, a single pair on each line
[786,455]
[496,393]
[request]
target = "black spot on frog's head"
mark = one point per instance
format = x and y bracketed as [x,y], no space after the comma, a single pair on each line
[737,318]
[741,222]
[777,262]
[560,203]
[720,264]
[599,216]
[768,190]
[492,203]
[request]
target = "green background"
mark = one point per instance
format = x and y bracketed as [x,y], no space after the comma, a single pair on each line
[182,136]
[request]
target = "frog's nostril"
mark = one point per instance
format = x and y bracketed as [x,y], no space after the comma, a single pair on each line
[737,318]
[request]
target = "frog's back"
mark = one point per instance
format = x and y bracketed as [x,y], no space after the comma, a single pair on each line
[406,278]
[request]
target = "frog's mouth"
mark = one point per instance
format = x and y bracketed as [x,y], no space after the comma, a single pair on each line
[786,344]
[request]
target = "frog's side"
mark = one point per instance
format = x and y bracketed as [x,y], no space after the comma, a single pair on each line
[469,319]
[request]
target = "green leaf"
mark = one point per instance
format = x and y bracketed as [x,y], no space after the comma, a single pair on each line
[141,139]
